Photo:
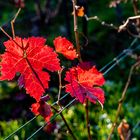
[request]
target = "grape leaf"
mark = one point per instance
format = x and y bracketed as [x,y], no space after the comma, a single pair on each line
[43,109]
[62,45]
[29,56]
[83,84]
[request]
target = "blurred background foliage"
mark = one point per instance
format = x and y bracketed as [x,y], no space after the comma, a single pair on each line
[51,19]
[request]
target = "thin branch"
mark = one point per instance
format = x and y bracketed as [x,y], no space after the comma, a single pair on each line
[80,60]
[96,18]
[76,31]
[59,93]
[60,85]
[123,26]
[136,17]
[13,21]
[122,99]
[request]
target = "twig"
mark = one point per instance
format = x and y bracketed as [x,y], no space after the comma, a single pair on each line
[101,22]
[75,31]
[122,99]
[13,21]
[80,60]
[123,26]
[60,86]
[136,17]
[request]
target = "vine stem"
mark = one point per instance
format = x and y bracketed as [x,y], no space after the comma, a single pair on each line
[13,21]
[80,60]
[123,26]
[58,102]
[60,85]
[64,120]
[75,31]
[103,23]
[122,99]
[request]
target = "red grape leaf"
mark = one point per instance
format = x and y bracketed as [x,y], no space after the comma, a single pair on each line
[29,56]
[82,84]
[62,45]
[43,109]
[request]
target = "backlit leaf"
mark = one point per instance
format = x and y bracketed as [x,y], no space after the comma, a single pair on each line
[29,56]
